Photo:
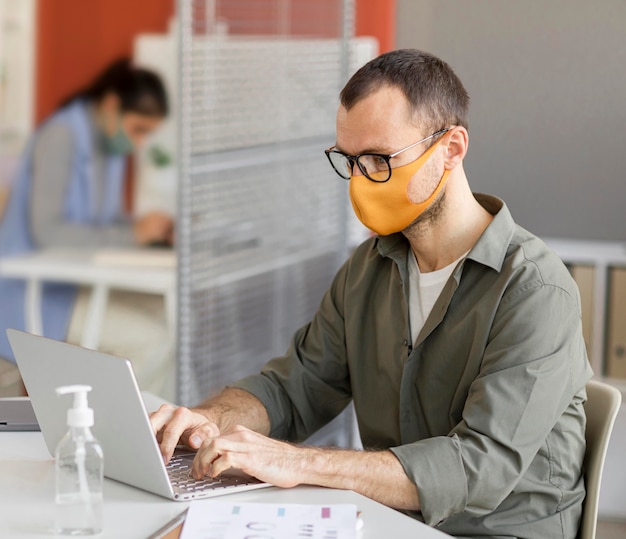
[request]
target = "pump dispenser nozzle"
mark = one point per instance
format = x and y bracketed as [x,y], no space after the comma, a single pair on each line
[80,415]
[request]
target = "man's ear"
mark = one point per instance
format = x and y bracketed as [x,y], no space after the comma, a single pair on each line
[455,147]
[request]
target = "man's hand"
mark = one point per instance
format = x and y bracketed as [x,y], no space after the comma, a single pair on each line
[192,426]
[173,425]
[230,431]
[271,461]
[375,474]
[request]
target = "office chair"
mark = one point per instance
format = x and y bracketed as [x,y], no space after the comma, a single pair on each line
[603,402]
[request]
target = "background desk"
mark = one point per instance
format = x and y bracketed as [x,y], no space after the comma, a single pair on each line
[27,500]
[139,270]
[601,256]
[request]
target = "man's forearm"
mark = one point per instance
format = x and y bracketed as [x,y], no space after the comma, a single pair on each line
[234,406]
[375,474]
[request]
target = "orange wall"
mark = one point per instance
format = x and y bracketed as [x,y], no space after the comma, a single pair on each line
[318,18]
[76,39]
[377,18]
[323,18]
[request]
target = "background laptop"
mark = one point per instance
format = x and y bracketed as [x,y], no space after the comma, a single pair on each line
[131,452]
[16,413]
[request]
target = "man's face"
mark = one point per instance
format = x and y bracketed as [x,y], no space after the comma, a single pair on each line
[381,123]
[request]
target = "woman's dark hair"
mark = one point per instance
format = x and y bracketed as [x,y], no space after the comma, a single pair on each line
[139,90]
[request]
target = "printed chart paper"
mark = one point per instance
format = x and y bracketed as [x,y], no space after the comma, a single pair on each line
[207,519]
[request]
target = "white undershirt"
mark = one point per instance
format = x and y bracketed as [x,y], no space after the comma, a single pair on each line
[424,289]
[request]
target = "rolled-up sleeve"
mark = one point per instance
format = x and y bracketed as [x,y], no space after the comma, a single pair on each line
[532,368]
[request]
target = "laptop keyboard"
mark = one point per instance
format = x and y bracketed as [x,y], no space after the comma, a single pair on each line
[179,472]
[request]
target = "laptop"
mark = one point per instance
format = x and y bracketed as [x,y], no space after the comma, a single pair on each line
[16,413]
[122,426]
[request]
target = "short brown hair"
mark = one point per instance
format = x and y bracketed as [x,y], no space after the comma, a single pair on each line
[435,94]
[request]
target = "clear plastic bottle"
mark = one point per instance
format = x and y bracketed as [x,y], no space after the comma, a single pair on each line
[79,470]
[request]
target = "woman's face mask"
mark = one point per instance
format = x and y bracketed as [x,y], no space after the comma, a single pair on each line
[385,207]
[126,131]
[119,142]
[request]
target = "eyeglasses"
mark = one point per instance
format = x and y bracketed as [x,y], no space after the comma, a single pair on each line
[374,166]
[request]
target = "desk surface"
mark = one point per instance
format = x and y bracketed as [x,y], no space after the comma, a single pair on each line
[149,270]
[27,500]
[612,253]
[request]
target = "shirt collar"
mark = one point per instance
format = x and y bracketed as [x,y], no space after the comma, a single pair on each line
[493,244]
[490,249]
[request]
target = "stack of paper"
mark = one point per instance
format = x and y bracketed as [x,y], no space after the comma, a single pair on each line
[207,518]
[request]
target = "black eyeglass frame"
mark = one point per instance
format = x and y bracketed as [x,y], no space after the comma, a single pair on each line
[352,159]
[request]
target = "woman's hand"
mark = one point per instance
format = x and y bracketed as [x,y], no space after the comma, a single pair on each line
[154,227]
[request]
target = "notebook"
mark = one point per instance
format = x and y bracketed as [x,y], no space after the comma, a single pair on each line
[131,452]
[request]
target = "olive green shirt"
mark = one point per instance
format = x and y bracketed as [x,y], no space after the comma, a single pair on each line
[484,411]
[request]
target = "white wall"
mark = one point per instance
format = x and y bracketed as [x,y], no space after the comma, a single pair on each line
[17,46]
[548,89]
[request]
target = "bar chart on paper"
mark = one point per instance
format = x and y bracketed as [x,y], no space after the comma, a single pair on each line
[210,520]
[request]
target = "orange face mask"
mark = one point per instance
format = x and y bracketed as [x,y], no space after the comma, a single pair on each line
[384,207]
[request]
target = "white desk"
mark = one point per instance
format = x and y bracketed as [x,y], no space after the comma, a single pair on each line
[27,500]
[601,255]
[140,270]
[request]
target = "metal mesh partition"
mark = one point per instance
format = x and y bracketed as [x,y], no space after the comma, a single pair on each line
[262,219]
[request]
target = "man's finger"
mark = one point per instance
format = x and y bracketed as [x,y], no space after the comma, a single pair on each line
[180,420]
[198,435]
[159,418]
[220,454]
[223,463]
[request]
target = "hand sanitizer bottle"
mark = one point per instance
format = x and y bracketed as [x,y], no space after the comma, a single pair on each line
[79,470]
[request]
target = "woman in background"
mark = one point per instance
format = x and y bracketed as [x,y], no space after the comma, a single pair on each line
[69,188]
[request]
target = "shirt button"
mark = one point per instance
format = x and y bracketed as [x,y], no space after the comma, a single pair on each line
[405,343]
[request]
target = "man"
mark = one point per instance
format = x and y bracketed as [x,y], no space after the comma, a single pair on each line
[456,333]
